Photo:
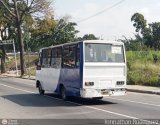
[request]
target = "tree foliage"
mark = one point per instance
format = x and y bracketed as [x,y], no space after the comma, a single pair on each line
[5,33]
[139,22]
[148,35]
[155,35]
[20,11]
[88,37]
[64,32]
[49,32]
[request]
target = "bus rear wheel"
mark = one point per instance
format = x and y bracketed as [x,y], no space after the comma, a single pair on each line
[41,91]
[63,93]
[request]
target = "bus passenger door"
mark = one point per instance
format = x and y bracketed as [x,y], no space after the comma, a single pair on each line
[71,70]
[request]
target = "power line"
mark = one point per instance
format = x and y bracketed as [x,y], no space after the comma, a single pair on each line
[106,9]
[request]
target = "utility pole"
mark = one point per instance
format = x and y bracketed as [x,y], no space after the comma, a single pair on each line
[28,49]
[15,57]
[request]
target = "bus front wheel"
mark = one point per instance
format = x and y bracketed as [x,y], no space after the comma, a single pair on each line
[63,93]
[41,91]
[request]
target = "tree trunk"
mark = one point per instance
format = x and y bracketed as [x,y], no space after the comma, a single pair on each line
[19,36]
[21,47]
[3,69]
[3,56]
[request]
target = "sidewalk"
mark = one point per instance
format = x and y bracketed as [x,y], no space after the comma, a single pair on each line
[143,89]
[131,88]
[14,75]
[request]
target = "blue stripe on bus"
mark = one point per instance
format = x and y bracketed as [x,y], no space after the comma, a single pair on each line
[81,64]
[72,79]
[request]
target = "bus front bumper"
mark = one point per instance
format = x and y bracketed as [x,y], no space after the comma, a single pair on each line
[92,93]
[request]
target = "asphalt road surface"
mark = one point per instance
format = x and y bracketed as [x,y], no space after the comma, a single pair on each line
[19,99]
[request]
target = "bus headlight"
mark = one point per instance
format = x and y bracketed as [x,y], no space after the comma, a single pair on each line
[89,83]
[120,82]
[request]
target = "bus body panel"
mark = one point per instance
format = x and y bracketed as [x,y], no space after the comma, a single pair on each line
[70,78]
[48,77]
[105,78]
[51,79]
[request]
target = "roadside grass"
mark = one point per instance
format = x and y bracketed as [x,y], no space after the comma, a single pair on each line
[143,68]
[29,62]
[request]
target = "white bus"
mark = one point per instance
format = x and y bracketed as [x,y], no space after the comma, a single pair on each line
[88,69]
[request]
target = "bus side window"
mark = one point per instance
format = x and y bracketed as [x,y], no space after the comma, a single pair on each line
[40,59]
[46,54]
[56,57]
[78,56]
[43,59]
[59,57]
[69,56]
[53,60]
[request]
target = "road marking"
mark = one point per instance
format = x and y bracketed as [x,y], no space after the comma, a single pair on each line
[127,116]
[30,84]
[133,101]
[98,109]
[64,114]
[146,94]
[18,89]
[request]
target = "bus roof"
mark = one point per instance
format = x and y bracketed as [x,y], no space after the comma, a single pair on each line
[103,41]
[86,41]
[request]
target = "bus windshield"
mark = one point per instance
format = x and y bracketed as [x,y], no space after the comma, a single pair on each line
[101,52]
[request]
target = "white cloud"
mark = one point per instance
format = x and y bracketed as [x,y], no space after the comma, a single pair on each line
[146,12]
[91,7]
[150,14]
[85,11]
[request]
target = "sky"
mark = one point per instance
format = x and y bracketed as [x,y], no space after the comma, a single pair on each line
[112,24]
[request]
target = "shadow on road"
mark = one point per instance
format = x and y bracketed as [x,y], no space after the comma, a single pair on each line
[84,101]
[51,100]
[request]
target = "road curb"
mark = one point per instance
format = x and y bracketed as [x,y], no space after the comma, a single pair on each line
[143,91]
[27,77]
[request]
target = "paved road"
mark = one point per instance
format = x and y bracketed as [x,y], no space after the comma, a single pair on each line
[19,99]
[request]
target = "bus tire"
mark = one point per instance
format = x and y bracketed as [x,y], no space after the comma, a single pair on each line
[63,93]
[40,89]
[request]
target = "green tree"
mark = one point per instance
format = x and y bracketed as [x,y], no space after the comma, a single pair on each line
[64,32]
[41,32]
[88,37]
[19,10]
[139,22]
[134,44]
[150,33]
[155,30]
[147,37]
[6,32]
[144,32]
[55,32]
